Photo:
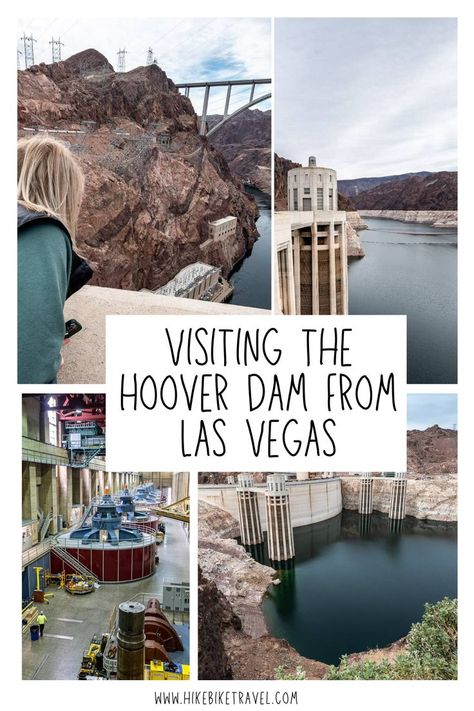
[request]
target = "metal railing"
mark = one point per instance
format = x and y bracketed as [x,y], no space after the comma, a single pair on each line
[73,562]
[36,552]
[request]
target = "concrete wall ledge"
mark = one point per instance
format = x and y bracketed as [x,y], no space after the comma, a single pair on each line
[84,356]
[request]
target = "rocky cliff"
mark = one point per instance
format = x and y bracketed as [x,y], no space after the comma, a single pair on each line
[432,452]
[147,205]
[231,624]
[436,191]
[358,185]
[214,617]
[434,499]
[435,218]
[281,168]
[245,142]
[239,577]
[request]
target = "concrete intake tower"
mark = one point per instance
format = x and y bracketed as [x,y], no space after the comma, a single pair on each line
[281,545]
[398,496]
[249,517]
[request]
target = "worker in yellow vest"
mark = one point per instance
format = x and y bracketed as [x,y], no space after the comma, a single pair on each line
[41,620]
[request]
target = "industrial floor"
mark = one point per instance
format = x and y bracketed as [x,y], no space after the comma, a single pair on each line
[74,619]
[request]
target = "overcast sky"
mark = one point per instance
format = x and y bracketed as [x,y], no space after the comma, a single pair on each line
[428,410]
[195,49]
[367,96]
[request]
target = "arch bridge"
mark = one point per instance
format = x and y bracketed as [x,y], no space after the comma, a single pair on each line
[252,100]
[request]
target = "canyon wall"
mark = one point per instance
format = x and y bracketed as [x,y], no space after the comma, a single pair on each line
[435,191]
[435,218]
[434,499]
[238,577]
[147,203]
[233,641]
[245,141]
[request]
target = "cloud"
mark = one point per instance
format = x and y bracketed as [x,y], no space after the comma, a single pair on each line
[367,96]
[187,49]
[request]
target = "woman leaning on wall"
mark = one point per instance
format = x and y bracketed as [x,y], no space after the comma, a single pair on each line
[50,188]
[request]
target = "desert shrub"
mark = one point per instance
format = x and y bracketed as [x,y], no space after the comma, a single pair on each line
[283,675]
[431,650]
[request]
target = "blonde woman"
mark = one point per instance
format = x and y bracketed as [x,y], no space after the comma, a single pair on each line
[50,187]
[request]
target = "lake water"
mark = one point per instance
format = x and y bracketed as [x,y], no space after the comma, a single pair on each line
[252,278]
[355,586]
[412,269]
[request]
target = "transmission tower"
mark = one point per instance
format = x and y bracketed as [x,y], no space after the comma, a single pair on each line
[56,49]
[18,52]
[29,51]
[149,56]
[121,60]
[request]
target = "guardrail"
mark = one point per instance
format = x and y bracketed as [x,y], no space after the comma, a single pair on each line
[36,552]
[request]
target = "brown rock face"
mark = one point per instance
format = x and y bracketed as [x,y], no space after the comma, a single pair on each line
[146,206]
[358,185]
[432,451]
[281,168]
[245,141]
[214,616]
[436,191]
[233,642]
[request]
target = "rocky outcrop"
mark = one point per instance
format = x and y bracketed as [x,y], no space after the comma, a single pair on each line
[431,452]
[281,168]
[147,206]
[435,218]
[389,653]
[231,623]
[436,191]
[245,142]
[259,658]
[433,499]
[238,577]
[353,225]
[355,186]
[214,616]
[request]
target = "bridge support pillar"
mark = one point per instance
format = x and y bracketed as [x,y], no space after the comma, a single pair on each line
[202,130]
[249,515]
[281,545]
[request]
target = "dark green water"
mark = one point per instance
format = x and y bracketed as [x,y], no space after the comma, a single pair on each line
[412,269]
[252,278]
[357,584]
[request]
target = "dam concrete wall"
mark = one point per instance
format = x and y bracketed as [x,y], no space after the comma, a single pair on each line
[311,501]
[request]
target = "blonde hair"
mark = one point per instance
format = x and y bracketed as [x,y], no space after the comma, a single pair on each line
[50,180]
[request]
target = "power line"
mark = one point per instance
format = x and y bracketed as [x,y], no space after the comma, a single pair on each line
[28,50]
[56,49]
[121,60]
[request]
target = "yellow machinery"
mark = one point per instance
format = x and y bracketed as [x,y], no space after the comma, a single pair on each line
[88,659]
[58,579]
[79,585]
[168,671]
[178,510]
